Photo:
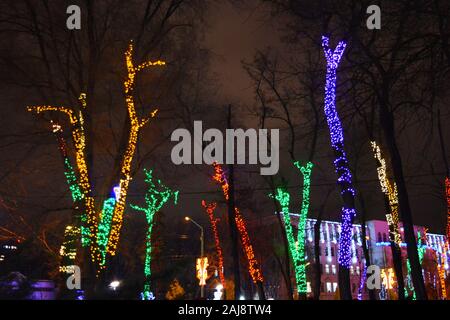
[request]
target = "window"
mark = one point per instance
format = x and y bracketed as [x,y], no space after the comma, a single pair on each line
[322,287]
[332,251]
[333,269]
[351,270]
[379,236]
[357,270]
[329,289]
[353,287]
[327,268]
[334,286]
[384,237]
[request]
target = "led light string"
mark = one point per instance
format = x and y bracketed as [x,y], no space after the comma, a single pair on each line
[76,193]
[337,142]
[253,266]
[209,208]
[362,281]
[283,197]
[79,139]
[68,249]
[447,191]
[135,126]
[390,191]
[104,228]
[301,233]
[156,197]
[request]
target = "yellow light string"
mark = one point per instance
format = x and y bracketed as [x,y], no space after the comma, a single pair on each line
[79,140]
[135,126]
[390,190]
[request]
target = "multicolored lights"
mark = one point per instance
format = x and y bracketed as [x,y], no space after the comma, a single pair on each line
[447,191]
[253,267]
[156,196]
[390,191]
[79,139]
[337,142]
[209,208]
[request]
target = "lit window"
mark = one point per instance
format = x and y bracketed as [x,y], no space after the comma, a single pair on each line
[333,268]
[327,269]
[351,270]
[334,286]
[308,287]
[357,270]
[329,287]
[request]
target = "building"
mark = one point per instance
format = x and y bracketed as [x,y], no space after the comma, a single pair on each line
[432,247]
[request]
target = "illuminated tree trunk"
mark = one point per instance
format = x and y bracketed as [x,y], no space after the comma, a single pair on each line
[389,190]
[341,166]
[157,195]
[297,249]
[209,208]
[253,265]
[306,173]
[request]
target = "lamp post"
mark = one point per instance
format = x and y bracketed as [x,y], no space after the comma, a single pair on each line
[202,249]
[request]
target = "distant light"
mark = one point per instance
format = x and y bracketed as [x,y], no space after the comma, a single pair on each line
[242,297]
[114,285]
[218,293]
[187,218]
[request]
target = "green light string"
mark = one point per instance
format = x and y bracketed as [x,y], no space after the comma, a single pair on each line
[77,196]
[155,198]
[282,196]
[421,252]
[306,172]
[104,227]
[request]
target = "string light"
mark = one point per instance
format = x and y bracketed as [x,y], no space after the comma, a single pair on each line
[77,122]
[79,140]
[104,227]
[68,249]
[210,211]
[156,196]
[297,248]
[283,197]
[202,270]
[337,142]
[135,126]
[447,189]
[253,266]
[362,282]
[390,191]
[301,233]
[76,193]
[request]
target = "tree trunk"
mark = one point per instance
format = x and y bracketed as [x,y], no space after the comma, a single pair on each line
[387,122]
[318,280]
[363,240]
[232,225]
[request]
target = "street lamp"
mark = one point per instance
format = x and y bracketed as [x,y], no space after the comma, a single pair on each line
[202,249]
